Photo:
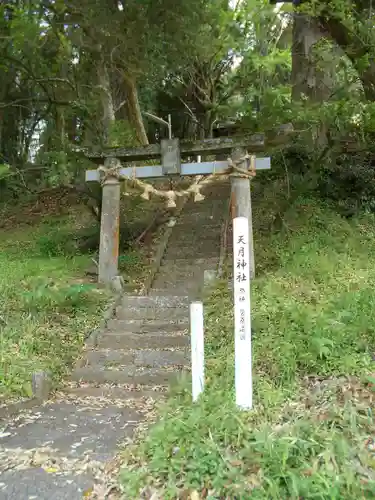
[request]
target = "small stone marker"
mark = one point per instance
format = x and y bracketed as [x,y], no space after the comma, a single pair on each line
[41,385]
[242,313]
[117,284]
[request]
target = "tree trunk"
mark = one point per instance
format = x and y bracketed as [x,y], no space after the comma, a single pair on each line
[60,127]
[209,124]
[312,77]
[108,116]
[134,110]
[108,111]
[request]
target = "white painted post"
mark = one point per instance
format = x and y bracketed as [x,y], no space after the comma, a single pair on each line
[197,348]
[242,314]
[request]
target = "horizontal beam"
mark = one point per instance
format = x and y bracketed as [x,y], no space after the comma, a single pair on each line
[154,171]
[256,143]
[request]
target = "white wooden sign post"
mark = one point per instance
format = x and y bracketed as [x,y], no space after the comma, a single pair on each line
[197,348]
[242,313]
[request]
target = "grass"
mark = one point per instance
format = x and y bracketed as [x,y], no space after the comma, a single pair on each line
[47,303]
[311,432]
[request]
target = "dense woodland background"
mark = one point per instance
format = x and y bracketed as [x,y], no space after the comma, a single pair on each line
[82,73]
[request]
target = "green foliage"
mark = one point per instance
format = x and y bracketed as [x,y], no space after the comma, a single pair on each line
[4,170]
[56,244]
[48,303]
[122,135]
[46,309]
[350,183]
[229,62]
[313,316]
[45,297]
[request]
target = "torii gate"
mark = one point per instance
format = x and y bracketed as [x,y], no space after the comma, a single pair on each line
[170,151]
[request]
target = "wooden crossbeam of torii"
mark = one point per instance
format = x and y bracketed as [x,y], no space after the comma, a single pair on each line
[170,151]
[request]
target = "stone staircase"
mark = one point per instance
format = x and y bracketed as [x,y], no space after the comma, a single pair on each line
[147,343]
[112,389]
[143,345]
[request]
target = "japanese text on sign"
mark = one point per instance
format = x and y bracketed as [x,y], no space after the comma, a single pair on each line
[241,263]
[242,314]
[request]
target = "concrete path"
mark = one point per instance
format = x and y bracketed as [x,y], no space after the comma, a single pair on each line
[66,448]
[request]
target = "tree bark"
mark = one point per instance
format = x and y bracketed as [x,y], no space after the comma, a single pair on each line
[134,110]
[108,116]
[310,76]
[60,127]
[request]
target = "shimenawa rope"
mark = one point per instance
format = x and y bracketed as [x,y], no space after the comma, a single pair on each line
[235,169]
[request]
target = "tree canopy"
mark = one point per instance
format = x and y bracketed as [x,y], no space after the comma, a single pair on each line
[84,72]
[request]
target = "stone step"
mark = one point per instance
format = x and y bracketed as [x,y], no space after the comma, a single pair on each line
[187,252]
[204,212]
[197,239]
[172,282]
[143,326]
[129,326]
[126,375]
[189,227]
[162,359]
[109,392]
[201,263]
[106,358]
[167,302]
[211,196]
[193,291]
[214,206]
[180,274]
[171,313]
[212,217]
[192,224]
[161,340]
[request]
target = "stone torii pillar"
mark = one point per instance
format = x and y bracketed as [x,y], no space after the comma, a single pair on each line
[241,200]
[110,222]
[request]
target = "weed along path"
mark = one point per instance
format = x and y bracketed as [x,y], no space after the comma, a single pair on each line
[67,447]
